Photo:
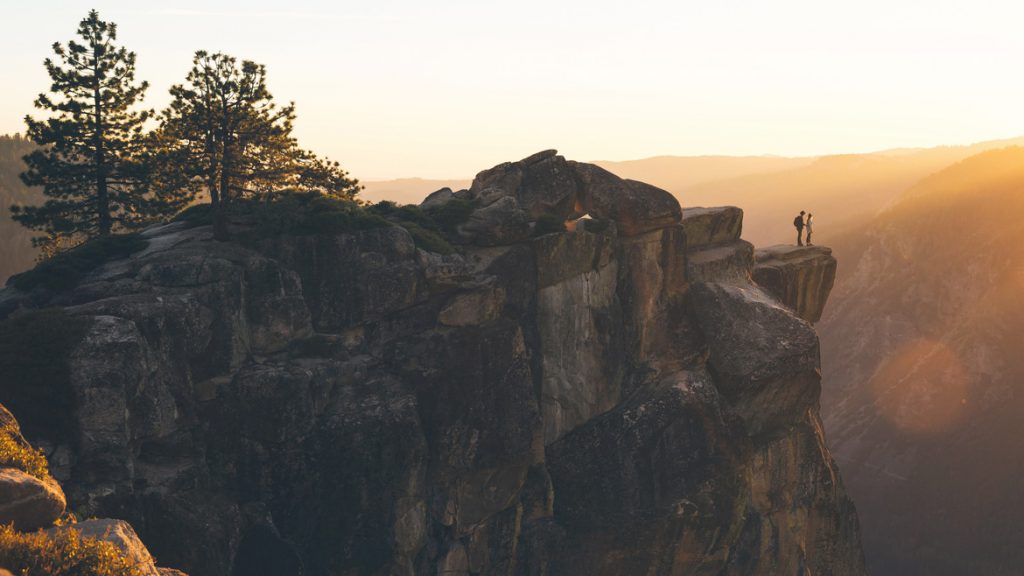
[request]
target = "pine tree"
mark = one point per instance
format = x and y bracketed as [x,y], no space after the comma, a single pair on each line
[90,143]
[224,132]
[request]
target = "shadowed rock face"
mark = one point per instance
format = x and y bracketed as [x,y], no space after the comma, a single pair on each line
[801,277]
[34,503]
[605,401]
[26,502]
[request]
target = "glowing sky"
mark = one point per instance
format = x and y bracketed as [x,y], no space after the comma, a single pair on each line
[445,88]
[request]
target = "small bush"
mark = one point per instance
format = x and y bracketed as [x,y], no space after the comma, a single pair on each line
[63,553]
[196,215]
[308,213]
[451,214]
[65,270]
[13,454]
[34,349]
[428,240]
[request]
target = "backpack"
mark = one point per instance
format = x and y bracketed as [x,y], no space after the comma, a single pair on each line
[798,221]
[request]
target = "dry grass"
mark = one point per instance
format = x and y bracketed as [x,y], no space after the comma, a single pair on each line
[65,553]
[14,454]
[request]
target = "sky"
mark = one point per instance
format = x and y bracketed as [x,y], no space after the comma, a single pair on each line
[446,88]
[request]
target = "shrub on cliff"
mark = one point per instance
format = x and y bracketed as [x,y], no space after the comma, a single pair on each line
[451,214]
[425,228]
[34,349]
[63,553]
[254,151]
[310,213]
[14,454]
[66,269]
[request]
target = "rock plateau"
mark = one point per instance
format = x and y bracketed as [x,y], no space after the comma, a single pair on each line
[618,399]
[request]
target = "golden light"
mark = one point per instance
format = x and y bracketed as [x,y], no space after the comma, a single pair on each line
[922,388]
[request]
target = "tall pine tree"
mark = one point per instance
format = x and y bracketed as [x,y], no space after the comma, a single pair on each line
[90,143]
[223,132]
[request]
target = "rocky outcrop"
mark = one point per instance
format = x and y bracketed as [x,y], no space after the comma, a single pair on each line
[715,252]
[636,207]
[712,226]
[801,277]
[608,400]
[765,361]
[120,534]
[30,502]
[29,497]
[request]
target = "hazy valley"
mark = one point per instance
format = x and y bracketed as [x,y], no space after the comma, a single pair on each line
[921,352]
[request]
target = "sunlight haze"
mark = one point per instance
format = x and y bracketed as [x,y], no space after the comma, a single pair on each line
[443,89]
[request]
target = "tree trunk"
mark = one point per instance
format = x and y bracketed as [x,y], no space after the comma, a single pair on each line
[102,198]
[221,200]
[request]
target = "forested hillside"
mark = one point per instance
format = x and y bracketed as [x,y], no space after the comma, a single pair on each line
[16,251]
[925,379]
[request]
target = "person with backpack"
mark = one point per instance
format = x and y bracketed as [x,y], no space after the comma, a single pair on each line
[810,221]
[798,222]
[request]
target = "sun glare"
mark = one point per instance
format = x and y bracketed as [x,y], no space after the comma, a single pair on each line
[923,388]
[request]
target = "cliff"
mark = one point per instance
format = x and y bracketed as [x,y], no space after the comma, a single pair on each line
[611,400]
[36,537]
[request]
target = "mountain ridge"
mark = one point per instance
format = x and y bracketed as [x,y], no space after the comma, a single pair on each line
[921,351]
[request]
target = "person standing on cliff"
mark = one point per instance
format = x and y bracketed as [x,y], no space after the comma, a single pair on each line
[798,222]
[810,222]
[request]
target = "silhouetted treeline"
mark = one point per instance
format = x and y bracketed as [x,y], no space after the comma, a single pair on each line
[102,171]
[16,251]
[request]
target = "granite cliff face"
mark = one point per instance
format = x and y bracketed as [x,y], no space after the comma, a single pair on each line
[617,399]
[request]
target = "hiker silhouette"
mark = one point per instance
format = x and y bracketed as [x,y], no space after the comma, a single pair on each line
[798,223]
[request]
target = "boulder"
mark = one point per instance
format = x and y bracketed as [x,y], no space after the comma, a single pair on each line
[542,185]
[710,226]
[635,207]
[438,198]
[801,277]
[498,223]
[120,534]
[765,361]
[29,502]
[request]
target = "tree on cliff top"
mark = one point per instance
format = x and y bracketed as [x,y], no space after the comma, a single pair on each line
[223,133]
[90,143]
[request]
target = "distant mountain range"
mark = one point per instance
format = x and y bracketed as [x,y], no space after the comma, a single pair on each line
[843,191]
[924,375]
